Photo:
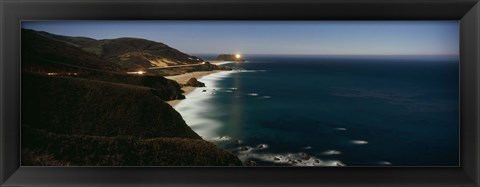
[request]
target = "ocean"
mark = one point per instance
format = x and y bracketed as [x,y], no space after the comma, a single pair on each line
[287,110]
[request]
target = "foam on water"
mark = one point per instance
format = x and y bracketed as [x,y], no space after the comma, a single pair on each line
[258,120]
[292,159]
[220,139]
[385,163]
[245,149]
[223,63]
[197,117]
[332,152]
[249,71]
[359,142]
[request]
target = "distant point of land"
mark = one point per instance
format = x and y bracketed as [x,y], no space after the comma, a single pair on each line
[230,57]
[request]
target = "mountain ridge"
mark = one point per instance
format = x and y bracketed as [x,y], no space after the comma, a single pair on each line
[128,52]
[81,104]
[110,124]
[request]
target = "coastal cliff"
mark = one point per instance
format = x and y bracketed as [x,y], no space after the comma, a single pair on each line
[193,82]
[45,55]
[80,106]
[82,122]
[129,53]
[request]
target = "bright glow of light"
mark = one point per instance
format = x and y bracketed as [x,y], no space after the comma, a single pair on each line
[141,72]
[238,56]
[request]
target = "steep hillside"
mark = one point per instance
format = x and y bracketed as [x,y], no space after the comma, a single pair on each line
[42,54]
[69,105]
[44,148]
[164,88]
[140,53]
[82,105]
[186,69]
[73,121]
[72,40]
[130,53]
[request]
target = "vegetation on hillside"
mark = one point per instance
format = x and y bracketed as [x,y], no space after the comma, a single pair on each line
[72,121]
[129,53]
[188,69]
[86,150]
[69,105]
[81,107]
[40,54]
[164,88]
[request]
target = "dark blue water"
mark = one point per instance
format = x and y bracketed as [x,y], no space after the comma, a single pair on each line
[314,110]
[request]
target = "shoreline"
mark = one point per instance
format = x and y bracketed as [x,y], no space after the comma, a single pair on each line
[220,62]
[183,78]
[195,106]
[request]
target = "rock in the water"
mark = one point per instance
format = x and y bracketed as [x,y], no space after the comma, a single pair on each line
[250,162]
[262,146]
[193,82]
[237,142]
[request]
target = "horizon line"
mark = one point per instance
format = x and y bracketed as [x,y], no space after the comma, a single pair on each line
[246,54]
[194,53]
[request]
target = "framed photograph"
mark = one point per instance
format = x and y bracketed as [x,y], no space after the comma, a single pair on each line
[240,93]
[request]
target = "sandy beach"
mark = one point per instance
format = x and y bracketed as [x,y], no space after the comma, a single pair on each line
[220,62]
[183,78]
[216,61]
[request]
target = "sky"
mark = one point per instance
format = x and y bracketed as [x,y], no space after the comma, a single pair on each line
[276,37]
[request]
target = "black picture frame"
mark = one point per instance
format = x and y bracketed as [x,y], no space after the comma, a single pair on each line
[466,11]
